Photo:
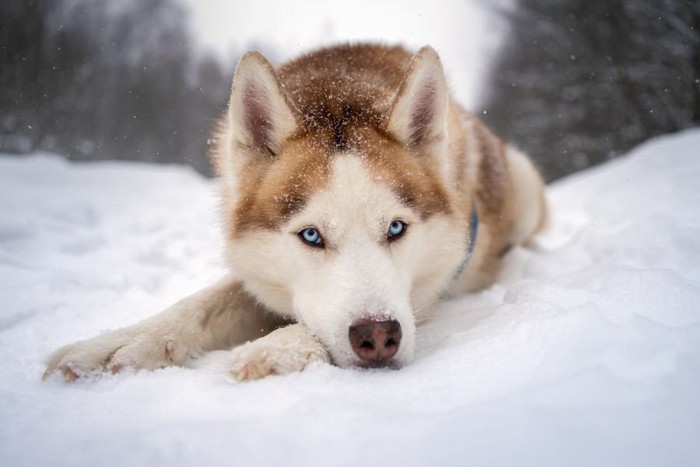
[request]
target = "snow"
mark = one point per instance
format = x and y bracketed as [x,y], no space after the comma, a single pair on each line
[585,352]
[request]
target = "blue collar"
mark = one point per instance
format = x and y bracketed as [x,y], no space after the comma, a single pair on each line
[471,241]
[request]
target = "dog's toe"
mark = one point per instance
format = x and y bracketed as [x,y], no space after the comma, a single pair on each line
[253,371]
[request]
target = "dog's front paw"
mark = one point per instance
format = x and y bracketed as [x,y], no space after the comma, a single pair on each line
[283,351]
[112,352]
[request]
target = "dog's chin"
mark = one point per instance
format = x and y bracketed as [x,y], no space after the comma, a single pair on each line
[347,361]
[371,365]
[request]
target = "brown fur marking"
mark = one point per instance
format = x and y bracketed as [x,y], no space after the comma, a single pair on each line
[495,192]
[411,174]
[273,191]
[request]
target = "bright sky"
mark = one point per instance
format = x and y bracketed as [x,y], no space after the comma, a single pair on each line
[462,31]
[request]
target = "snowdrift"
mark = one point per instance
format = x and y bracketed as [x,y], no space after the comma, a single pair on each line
[586,351]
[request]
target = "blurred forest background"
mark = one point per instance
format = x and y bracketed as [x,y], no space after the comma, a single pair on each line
[574,84]
[578,83]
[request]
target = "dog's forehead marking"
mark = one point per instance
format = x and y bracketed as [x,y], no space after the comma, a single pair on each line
[352,202]
[361,192]
[354,190]
[273,191]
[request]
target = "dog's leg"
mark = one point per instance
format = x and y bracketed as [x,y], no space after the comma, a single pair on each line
[214,318]
[283,351]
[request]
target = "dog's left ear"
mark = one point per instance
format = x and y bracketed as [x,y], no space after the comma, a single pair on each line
[419,112]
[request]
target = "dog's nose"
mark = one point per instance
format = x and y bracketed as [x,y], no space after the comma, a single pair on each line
[375,341]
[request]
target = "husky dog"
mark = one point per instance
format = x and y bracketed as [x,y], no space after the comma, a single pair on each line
[355,192]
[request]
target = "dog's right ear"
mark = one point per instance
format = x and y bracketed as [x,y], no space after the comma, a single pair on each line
[259,113]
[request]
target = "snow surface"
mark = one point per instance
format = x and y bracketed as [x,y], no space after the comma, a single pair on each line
[586,351]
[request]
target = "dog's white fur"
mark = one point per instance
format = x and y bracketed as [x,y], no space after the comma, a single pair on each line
[451,162]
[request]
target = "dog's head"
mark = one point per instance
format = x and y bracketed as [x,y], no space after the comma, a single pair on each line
[337,206]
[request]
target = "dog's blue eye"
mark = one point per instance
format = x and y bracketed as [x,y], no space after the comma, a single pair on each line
[311,237]
[396,229]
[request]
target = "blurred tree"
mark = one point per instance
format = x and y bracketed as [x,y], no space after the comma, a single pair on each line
[96,79]
[21,67]
[578,83]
